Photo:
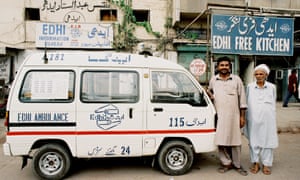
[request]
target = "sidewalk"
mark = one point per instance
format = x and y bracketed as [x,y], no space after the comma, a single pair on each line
[2,131]
[288,120]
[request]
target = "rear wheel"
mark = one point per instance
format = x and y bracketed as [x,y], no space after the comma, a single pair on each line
[51,161]
[175,158]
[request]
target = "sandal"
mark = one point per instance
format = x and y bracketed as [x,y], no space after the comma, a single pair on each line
[255,168]
[242,171]
[266,170]
[224,168]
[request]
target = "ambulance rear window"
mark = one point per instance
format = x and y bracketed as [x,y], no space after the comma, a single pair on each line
[47,86]
[109,86]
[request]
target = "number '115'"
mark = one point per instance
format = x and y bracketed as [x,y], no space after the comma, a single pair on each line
[176,122]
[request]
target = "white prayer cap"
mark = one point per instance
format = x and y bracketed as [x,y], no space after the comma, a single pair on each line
[263,67]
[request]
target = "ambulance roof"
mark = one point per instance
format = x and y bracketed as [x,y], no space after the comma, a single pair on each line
[102,58]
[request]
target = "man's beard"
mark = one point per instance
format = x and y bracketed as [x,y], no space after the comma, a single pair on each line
[224,72]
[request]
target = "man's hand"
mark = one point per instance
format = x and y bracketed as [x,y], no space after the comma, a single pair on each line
[242,122]
[242,117]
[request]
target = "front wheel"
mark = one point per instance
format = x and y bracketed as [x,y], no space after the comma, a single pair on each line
[51,161]
[175,158]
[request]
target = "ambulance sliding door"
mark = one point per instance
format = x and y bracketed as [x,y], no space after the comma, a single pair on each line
[110,116]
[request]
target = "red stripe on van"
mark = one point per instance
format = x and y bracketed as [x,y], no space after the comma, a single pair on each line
[129,132]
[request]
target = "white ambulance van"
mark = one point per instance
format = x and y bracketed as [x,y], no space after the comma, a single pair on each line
[66,105]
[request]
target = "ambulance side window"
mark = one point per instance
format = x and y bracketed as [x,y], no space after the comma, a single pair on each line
[175,87]
[47,86]
[109,86]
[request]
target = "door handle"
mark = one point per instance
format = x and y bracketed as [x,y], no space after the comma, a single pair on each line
[130,113]
[158,109]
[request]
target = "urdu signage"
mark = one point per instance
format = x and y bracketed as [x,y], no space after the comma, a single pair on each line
[252,35]
[84,36]
[197,67]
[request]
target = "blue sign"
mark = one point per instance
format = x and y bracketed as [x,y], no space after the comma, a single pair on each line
[75,36]
[252,35]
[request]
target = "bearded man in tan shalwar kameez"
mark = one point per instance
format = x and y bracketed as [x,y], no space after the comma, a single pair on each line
[228,94]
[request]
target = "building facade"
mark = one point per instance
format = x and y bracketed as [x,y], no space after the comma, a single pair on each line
[178,30]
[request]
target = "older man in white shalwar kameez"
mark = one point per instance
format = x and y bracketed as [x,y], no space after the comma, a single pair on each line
[261,127]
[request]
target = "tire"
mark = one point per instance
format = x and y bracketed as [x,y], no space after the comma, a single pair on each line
[175,158]
[51,161]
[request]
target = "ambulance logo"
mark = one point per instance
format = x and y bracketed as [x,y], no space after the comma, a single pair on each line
[107,117]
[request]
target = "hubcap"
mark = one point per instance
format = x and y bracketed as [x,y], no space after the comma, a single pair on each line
[176,158]
[50,163]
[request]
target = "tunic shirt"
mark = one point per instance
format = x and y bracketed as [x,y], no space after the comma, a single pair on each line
[229,97]
[261,129]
